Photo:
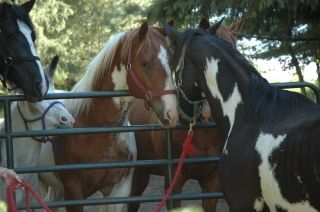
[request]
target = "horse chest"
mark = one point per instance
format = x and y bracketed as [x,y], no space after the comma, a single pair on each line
[122,146]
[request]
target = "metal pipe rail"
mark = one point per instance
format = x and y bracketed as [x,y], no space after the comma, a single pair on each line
[8,134]
[103,165]
[76,131]
[117,200]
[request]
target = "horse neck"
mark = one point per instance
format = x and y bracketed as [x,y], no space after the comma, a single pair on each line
[17,120]
[226,99]
[107,111]
[26,150]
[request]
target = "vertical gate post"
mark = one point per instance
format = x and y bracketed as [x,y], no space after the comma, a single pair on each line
[8,131]
[170,168]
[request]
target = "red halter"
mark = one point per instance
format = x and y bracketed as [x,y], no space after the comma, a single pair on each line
[148,94]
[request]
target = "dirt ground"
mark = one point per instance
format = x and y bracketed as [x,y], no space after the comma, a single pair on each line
[155,187]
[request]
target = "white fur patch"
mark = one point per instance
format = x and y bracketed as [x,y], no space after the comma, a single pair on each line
[26,31]
[120,83]
[230,105]
[123,188]
[170,101]
[265,145]
[258,204]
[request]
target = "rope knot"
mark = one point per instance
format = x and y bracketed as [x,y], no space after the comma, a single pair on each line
[15,184]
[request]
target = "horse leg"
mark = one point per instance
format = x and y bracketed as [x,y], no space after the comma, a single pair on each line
[210,184]
[122,189]
[55,187]
[73,191]
[139,183]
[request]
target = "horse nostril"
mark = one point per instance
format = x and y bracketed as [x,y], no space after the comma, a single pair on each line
[172,117]
[63,119]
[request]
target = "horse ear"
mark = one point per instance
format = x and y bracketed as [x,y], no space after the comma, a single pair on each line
[212,30]
[27,6]
[143,30]
[172,33]
[162,30]
[204,24]
[52,67]
[235,28]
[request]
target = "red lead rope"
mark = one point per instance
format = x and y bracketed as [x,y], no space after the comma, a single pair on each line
[28,189]
[187,150]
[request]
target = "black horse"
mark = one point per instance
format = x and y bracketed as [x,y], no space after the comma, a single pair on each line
[19,64]
[271,159]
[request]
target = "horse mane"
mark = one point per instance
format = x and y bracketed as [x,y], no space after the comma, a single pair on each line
[227,35]
[264,102]
[102,65]
[225,48]
[269,104]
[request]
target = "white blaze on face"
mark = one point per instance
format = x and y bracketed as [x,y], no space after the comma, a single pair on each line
[272,195]
[26,31]
[230,105]
[170,101]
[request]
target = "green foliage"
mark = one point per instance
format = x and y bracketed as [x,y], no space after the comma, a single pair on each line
[286,28]
[184,13]
[3,206]
[77,30]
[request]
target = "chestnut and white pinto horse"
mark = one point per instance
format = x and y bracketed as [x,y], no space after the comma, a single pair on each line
[136,60]
[46,114]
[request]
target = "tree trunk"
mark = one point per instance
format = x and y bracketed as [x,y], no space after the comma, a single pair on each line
[295,62]
[206,8]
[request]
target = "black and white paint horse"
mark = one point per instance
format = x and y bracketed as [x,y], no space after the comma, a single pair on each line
[271,159]
[28,116]
[20,66]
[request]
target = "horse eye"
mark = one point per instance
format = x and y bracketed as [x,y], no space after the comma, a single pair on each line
[146,64]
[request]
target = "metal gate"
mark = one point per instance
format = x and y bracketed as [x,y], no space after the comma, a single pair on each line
[169,161]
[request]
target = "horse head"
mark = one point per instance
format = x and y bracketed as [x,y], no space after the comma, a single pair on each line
[149,74]
[193,107]
[19,64]
[46,114]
